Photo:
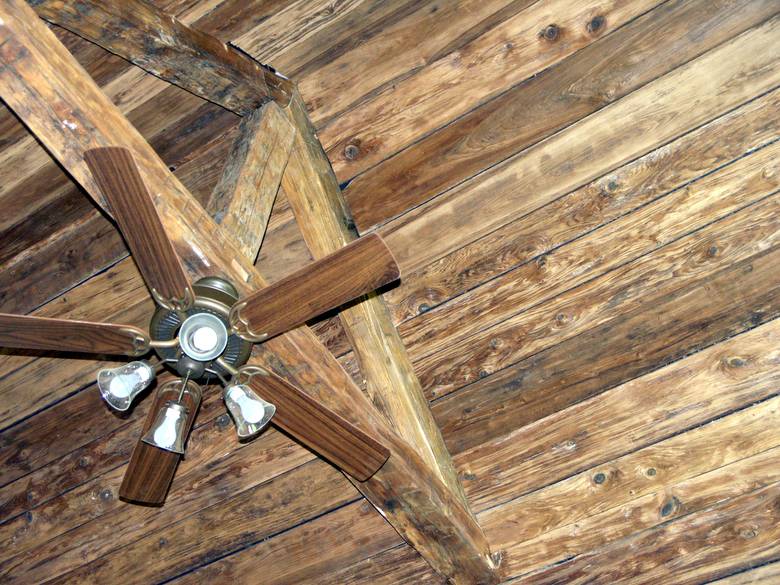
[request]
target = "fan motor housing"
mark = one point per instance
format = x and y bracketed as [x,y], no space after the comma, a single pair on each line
[204,332]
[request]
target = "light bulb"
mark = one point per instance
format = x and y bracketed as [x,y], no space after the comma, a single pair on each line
[204,339]
[168,429]
[119,386]
[165,435]
[250,412]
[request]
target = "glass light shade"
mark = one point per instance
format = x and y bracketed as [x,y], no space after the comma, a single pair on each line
[169,428]
[119,386]
[250,412]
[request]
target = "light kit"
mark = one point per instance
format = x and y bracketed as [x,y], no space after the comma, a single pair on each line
[204,331]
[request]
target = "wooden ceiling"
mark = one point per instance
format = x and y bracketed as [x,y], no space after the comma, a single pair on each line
[583,199]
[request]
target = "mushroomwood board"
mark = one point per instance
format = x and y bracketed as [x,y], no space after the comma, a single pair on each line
[583,199]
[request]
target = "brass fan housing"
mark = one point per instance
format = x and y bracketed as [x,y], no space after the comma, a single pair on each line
[213,297]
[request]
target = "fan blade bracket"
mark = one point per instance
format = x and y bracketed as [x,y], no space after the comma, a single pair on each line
[142,343]
[240,326]
[177,304]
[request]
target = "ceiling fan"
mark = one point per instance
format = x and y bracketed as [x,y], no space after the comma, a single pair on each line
[204,332]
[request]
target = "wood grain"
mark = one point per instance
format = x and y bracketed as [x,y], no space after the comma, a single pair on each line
[609,485]
[67,523]
[242,200]
[625,495]
[150,471]
[725,538]
[169,49]
[533,110]
[354,270]
[116,173]
[506,54]
[680,224]
[575,156]
[631,345]
[43,333]
[321,429]
[633,415]
[601,201]
[324,220]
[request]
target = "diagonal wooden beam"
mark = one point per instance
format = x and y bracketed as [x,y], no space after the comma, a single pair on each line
[242,200]
[47,88]
[323,217]
[164,46]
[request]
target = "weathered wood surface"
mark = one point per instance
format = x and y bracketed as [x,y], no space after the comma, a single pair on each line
[60,511]
[651,116]
[161,44]
[580,153]
[730,535]
[638,413]
[242,200]
[533,39]
[391,383]
[537,108]
[762,575]
[423,509]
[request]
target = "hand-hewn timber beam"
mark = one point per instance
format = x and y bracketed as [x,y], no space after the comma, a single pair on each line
[325,222]
[241,202]
[162,45]
[42,82]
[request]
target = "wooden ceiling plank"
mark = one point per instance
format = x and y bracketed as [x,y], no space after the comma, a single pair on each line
[736,373]
[754,575]
[326,225]
[673,501]
[732,535]
[574,156]
[668,328]
[601,201]
[590,148]
[529,112]
[242,200]
[169,49]
[624,496]
[352,533]
[244,518]
[67,111]
[533,39]
[400,565]
[112,534]
[713,209]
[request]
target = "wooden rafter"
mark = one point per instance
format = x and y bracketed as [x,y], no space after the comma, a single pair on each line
[60,103]
[242,200]
[164,46]
[324,220]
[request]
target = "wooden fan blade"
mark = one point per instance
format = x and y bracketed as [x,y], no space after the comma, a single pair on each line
[120,182]
[27,332]
[319,428]
[356,269]
[150,472]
